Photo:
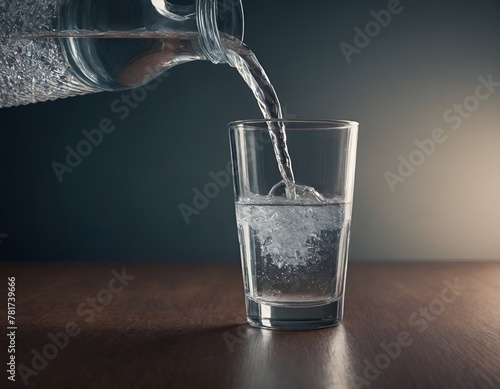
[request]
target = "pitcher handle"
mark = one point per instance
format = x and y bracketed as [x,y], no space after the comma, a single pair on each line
[173,11]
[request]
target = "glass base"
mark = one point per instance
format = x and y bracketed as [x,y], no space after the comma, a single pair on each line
[294,317]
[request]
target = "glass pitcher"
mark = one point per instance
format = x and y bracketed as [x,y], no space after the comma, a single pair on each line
[52,49]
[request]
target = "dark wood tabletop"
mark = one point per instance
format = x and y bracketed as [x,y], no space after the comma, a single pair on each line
[171,325]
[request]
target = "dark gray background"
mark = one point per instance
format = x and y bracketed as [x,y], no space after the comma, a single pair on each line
[122,201]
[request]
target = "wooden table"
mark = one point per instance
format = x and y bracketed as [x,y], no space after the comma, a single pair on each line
[417,325]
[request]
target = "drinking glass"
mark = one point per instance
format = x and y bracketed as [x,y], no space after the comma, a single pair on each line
[294,247]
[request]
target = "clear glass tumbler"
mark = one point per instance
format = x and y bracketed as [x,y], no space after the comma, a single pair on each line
[294,249]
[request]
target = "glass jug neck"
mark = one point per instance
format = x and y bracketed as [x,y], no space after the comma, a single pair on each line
[216,17]
[213,18]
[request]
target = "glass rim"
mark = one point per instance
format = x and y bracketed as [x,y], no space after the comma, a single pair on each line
[309,124]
